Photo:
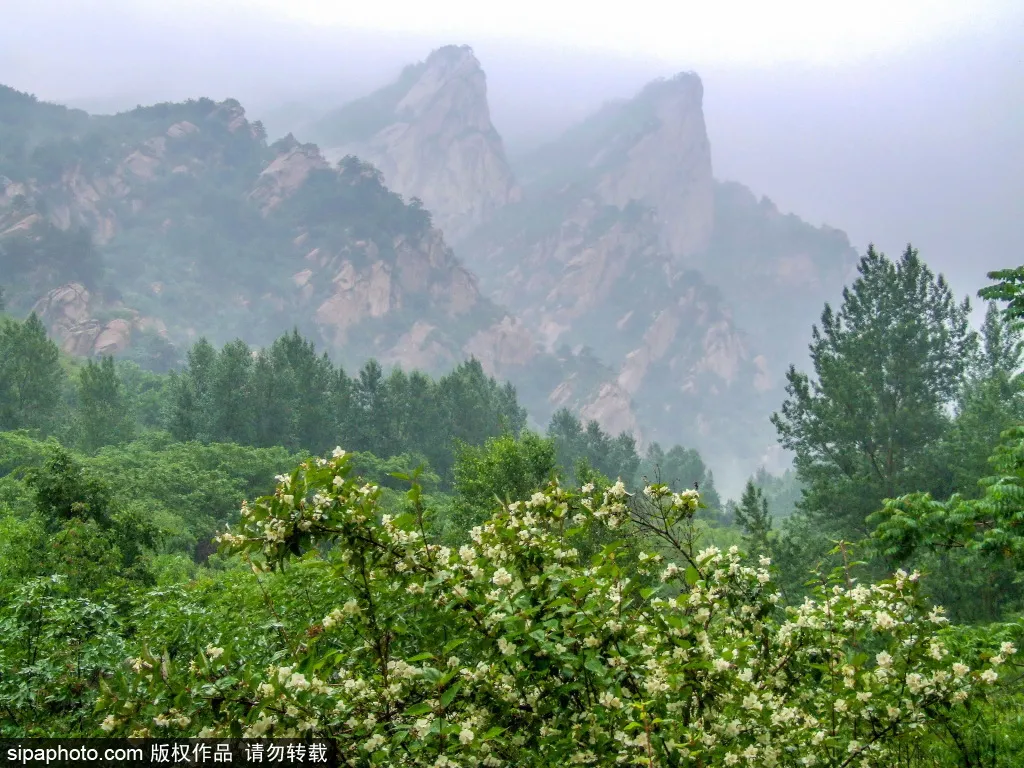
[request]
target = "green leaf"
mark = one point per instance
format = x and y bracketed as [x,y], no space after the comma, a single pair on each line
[449,695]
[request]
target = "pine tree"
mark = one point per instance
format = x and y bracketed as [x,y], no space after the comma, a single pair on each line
[31,377]
[752,516]
[231,394]
[888,367]
[103,412]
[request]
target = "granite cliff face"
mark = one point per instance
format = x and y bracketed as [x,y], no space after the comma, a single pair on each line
[430,134]
[696,294]
[597,255]
[619,280]
[177,221]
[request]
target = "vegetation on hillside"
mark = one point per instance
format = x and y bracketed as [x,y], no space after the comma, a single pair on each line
[454,588]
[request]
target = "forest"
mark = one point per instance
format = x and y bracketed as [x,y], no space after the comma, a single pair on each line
[261,544]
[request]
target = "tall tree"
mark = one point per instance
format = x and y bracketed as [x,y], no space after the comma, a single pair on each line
[681,468]
[191,411]
[31,377]
[888,367]
[992,401]
[753,517]
[231,394]
[104,415]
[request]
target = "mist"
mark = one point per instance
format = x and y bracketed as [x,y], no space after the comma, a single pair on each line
[918,146]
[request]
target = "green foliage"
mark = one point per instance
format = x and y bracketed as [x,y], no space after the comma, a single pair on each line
[45,257]
[783,492]
[31,377]
[503,469]
[56,649]
[288,395]
[64,491]
[104,415]
[967,537]
[681,468]
[512,648]
[611,456]
[1009,288]
[753,517]
[888,366]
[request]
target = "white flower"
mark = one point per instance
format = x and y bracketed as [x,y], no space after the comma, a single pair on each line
[213,653]
[466,736]
[501,577]
[337,453]
[109,723]
[989,676]
[351,606]
[297,682]
[884,621]
[373,743]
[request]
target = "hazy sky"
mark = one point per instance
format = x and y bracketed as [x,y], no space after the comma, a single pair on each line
[710,31]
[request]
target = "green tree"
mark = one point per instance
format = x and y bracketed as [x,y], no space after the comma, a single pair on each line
[888,366]
[753,517]
[991,402]
[103,412]
[190,416]
[975,546]
[31,377]
[231,394]
[305,385]
[505,468]
[681,468]
[613,457]
[63,490]
[1009,288]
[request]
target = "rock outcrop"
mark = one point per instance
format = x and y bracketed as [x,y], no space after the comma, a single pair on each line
[286,173]
[70,314]
[430,134]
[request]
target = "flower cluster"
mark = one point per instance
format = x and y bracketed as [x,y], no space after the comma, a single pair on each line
[515,650]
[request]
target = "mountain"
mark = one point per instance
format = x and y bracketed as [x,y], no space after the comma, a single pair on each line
[696,293]
[612,274]
[179,220]
[431,136]
[136,234]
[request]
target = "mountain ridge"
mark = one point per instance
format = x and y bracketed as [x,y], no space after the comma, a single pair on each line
[607,260]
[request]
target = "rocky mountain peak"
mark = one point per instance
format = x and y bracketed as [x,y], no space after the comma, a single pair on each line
[668,166]
[431,136]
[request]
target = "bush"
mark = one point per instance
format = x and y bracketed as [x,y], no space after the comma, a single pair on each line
[511,651]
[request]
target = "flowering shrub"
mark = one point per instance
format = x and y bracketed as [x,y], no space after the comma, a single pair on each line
[512,651]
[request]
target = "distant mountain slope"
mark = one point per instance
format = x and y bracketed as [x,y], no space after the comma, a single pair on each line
[197,223]
[430,134]
[639,291]
[140,232]
[695,292]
